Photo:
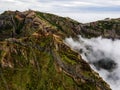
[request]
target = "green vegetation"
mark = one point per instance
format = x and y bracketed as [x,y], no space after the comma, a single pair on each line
[33,55]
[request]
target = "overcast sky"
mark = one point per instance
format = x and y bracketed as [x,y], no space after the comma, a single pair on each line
[81,10]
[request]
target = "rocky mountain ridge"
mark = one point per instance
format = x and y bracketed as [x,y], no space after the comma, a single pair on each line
[33,55]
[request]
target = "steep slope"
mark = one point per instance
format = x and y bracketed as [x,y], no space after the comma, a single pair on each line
[33,55]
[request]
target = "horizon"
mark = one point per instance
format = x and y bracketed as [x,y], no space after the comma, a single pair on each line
[83,11]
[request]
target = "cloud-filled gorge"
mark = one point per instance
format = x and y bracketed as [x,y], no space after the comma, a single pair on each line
[103,56]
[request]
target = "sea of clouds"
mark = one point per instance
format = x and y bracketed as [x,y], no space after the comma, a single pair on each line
[100,50]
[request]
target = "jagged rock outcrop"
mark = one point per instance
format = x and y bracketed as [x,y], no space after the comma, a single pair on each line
[33,55]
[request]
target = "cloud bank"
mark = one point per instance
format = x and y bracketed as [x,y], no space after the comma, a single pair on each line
[103,56]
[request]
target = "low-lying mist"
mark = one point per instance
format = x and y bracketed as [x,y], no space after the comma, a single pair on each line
[103,55]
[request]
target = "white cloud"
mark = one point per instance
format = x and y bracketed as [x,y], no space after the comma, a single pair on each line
[88,3]
[104,2]
[89,17]
[97,49]
[48,4]
[79,4]
[24,5]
